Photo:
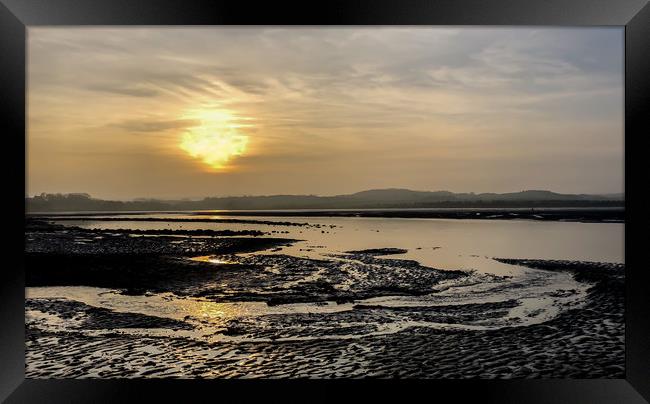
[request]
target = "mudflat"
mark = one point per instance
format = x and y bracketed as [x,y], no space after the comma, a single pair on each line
[125,303]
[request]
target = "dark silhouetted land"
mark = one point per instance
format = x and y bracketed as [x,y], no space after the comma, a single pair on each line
[373,199]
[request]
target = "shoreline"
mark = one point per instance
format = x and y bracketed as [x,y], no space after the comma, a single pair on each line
[586,340]
[586,215]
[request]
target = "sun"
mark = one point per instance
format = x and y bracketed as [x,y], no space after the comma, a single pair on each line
[216,138]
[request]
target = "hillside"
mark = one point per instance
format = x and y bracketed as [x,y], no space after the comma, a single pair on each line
[378,198]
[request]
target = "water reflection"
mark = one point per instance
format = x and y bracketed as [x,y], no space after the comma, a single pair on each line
[439,243]
[213,259]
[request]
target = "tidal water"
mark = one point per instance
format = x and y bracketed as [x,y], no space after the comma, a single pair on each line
[439,243]
[448,244]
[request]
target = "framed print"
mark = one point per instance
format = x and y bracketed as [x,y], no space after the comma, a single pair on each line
[381,197]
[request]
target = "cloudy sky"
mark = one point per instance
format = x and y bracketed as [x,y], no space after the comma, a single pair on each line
[191,112]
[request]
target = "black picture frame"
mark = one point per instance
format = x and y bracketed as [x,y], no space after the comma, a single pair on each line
[18,15]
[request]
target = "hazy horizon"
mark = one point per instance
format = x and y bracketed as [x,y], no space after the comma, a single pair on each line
[187,113]
[318,195]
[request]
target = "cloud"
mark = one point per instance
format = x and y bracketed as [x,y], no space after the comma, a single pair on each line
[343,92]
[144,125]
[121,90]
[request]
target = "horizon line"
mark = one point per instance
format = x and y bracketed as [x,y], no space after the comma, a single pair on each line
[197,198]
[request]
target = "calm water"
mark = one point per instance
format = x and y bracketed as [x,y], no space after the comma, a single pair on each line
[439,243]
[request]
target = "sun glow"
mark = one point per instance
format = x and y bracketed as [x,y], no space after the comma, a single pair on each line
[216,138]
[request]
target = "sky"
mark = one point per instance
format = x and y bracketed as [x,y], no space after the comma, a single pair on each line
[187,112]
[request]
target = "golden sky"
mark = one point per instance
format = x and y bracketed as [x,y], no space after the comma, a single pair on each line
[190,112]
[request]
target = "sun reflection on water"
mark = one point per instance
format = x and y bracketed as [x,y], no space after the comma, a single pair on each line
[211,259]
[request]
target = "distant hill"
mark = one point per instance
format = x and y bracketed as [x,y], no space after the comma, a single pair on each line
[376,198]
[406,195]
